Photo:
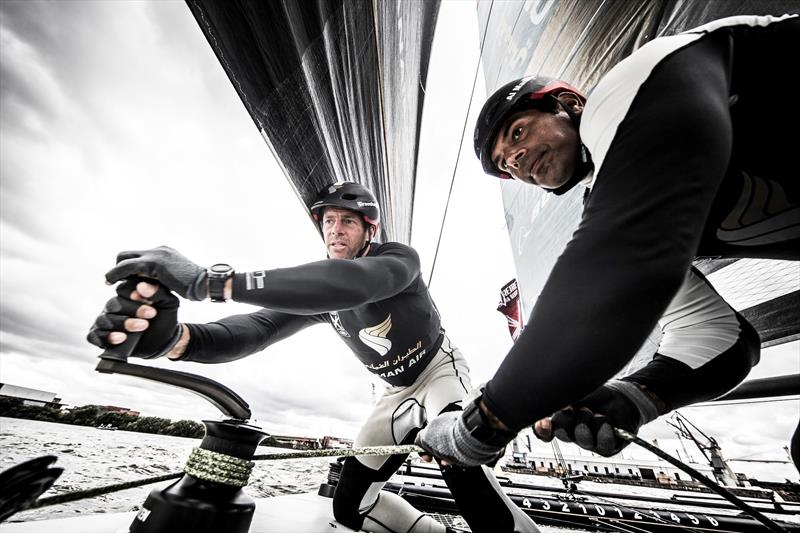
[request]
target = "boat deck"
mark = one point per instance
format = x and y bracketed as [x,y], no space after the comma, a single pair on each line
[295,513]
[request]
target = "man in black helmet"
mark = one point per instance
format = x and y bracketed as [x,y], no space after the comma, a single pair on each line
[373,295]
[682,158]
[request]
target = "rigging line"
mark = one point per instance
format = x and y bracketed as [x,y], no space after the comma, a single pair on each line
[746,402]
[599,525]
[725,493]
[99,491]
[342,452]
[334,452]
[461,142]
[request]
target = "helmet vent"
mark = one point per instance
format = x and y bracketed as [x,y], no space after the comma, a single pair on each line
[348,196]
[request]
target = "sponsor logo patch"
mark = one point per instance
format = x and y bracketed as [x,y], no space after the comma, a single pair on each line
[255,280]
[337,324]
[375,336]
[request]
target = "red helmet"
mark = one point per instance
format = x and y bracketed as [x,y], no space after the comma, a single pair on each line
[518,95]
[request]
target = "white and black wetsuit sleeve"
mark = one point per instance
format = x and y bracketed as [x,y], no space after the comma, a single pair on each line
[238,336]
[331,284]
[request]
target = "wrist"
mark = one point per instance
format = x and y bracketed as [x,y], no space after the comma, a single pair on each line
[220,282]
[641,398]
[228,290]
[480,426]
[491,418]
[179,349]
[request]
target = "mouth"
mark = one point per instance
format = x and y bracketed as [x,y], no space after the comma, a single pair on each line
[533,169]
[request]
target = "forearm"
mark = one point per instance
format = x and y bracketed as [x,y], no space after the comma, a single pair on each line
[237,336]
[572,345]
[323,286]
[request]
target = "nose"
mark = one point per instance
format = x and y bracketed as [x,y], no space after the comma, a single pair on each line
[515,157]
[335,227]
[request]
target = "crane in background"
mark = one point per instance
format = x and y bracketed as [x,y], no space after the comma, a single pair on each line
[708,446]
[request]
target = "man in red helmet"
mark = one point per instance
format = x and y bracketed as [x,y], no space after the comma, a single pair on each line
[373,295]
[680,154]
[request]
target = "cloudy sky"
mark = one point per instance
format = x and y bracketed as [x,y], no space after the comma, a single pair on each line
[120,131]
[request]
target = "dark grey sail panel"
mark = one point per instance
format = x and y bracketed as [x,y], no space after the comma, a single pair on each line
[335,87]
[579,41]
[777,320]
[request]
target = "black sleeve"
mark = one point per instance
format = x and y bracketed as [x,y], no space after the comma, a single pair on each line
[331,284]
[638,235]
[238,336]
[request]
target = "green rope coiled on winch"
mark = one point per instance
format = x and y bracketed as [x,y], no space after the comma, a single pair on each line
[218,467]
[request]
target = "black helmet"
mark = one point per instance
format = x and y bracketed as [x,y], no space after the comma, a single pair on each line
[348,195]
[518,95]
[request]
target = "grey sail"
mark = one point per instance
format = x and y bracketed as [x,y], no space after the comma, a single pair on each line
[335,87]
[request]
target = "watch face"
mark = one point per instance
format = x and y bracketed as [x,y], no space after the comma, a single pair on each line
[221,268]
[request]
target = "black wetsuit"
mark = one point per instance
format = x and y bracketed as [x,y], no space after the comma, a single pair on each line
[691,160]
[378,305]
[381,308]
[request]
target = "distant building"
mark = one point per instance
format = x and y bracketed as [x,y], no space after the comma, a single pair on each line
[606,467]
[297,443]
[336,442]
[613,469]
[115,409]
[35,397]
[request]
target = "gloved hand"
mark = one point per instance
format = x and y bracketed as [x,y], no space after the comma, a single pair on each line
[168,266]
[163,330]
[590,422]
[451,437]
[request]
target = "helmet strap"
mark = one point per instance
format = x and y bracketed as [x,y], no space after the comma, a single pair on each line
[585,164]
[364,249]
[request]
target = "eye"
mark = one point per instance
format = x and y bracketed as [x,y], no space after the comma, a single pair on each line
[516,133]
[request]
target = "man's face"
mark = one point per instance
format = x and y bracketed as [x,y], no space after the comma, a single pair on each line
[344,232]
[537,147]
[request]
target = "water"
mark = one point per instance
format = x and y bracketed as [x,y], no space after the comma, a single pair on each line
[92,458]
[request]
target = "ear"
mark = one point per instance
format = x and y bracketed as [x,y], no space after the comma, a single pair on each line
[373,230]
[572,100]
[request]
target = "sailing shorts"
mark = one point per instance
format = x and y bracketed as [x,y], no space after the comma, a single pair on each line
[402,411]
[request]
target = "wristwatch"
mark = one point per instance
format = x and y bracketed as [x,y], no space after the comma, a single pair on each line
[479,427]
[217,276]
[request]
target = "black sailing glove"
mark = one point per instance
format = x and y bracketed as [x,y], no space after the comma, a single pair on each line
[590,422]
[168,266]
[159,338]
